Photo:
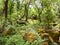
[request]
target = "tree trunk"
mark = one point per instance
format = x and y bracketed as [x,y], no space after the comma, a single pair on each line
[6,8]
[26,11]
[5,12]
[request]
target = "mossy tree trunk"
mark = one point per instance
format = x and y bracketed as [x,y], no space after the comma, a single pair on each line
[26,11]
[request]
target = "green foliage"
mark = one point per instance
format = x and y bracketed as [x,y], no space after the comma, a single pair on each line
[11,6]
[48,10]
[48,14]
[18,40]
[3,40]
[15,39]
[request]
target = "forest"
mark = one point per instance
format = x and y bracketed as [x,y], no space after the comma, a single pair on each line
[29,22]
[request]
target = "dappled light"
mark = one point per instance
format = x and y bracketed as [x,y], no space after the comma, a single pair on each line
[29,22]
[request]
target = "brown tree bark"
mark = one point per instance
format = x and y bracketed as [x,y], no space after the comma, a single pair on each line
[6,8]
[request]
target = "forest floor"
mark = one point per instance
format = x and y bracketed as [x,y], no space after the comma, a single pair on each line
[30,34]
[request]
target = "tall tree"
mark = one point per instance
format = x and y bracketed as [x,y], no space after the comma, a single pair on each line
[26,11]
[5,12]
[6,9]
